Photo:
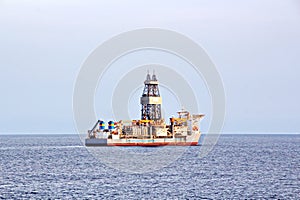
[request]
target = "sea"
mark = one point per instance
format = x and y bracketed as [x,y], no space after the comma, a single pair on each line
[240,166]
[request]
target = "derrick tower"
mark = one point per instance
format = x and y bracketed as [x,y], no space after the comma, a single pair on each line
[151,100]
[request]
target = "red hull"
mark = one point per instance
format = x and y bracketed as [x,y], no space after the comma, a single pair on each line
[154,144]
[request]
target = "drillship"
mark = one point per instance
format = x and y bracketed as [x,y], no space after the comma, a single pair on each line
[151,129]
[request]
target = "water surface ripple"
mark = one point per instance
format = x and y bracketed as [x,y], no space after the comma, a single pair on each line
[239,167]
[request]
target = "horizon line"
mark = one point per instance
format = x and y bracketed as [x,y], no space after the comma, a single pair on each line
[205,133]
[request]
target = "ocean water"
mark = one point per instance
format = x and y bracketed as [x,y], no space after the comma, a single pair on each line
[239,167]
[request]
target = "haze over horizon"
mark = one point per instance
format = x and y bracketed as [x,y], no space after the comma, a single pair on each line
[254,44]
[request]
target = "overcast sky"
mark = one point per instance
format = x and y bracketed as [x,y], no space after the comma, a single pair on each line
[255,45]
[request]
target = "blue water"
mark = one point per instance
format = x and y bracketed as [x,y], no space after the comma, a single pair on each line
[239,167]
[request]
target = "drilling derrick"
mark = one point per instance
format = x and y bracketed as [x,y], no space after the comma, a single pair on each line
[151,100]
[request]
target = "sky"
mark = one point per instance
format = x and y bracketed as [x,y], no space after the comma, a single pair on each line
[255,45]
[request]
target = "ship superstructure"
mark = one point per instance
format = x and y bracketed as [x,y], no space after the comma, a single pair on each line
[151,129]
